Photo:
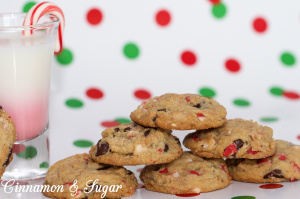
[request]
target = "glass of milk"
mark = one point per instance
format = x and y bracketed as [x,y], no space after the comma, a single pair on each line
[25,63]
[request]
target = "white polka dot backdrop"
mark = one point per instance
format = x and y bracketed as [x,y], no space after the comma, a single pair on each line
[116,54]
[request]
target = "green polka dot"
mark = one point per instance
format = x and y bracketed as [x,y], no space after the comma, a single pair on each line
[123,120]
[44,165]
[65,57]
[288,59]
[219,10]
[268,119]
[83,143]
[207,92]
[28,5]
[131,51]
[29,153]
[241,102]
[74,103]
[243,197]
[276,91]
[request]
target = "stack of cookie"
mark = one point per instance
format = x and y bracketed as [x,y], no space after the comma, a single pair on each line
[148,141]
[190,173]
[247,147]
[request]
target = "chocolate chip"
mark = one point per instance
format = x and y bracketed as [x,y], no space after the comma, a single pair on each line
[127,129]
[7,159]
[102,149]
[178,141]
[146,133]
[85,197]
[0,107]
[104,167]
[166,148]
[117,129]
[276,173]
[154,119]
[156,168]
[236,162]
[197,106]
[163,109]
[239,143]
[129,172]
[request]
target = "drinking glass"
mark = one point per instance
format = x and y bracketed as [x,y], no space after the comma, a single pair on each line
[25,64]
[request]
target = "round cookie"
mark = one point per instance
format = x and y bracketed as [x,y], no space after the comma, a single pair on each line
[238,138]
[133,144]
[7,139]
[86,172]
[186,175]
[284,165]
[180,112]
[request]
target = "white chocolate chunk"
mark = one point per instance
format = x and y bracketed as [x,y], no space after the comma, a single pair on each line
[139,149]
[176,174]
[196,190]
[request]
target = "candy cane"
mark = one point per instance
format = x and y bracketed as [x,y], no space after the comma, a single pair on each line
[39,10]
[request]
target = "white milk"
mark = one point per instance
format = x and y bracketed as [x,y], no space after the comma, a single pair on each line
[25,81]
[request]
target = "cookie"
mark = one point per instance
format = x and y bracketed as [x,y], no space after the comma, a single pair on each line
[284,165]
[78,175]
[238,138]
[7,139]
[186,175]
[180,112]
[133,144]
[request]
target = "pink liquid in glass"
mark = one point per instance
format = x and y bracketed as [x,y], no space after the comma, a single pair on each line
[25,84]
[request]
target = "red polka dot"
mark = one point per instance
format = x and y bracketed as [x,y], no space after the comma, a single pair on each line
[108,124]
[271,186]
[260,25]
[298,137]
[94,16]
[163,17]
[215,2]
[19,148]
[291,95]
[142,94]
[189,58]
[94,93]
[188,195]
[232,65]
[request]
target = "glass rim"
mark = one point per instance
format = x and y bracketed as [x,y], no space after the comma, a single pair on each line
[27,26]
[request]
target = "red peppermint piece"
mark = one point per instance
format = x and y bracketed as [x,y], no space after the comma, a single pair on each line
[200,115]
[231,149]
[293,179]
[194,172]
[297,167]
[196,139]
[77,193]
[223,167]
[164,171]
[265,160]
[86,159]
[188,98]
[70,184]
[252,152]
[281,156]
[159,150]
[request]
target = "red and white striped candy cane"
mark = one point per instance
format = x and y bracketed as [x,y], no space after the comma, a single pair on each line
[39,10]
